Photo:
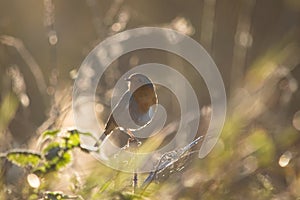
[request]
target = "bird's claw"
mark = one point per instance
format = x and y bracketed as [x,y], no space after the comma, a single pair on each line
[134,139]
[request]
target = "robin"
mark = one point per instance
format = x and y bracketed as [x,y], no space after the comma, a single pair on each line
[138,100]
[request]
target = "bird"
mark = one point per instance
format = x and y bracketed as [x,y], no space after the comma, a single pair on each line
[138,101]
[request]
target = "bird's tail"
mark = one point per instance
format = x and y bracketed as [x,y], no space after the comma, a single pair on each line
[102,137]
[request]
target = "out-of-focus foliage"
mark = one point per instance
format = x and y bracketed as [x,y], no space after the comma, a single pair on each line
[8,109]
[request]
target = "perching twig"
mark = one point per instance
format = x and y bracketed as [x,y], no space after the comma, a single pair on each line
[169,159]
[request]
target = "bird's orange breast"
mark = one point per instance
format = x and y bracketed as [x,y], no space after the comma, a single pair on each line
[145,97]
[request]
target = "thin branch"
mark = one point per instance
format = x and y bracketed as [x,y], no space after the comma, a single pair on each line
[29,60]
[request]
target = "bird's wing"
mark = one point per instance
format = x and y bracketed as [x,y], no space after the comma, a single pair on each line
[120,107]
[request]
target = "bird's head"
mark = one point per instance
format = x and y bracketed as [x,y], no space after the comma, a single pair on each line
[137,80]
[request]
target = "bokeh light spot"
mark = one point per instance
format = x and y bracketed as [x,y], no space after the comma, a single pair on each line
[296,120]
[285,159]
[53,39]
[33,180]
[24,100]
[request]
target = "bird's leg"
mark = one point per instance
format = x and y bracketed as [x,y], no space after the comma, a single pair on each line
[132,138]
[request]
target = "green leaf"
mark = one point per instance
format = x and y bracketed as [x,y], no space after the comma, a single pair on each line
[57,195]
[50,133]
[88,134]
[52,151]
[24,158]
[57,157]
[41,169]
[64,160]
[74,140]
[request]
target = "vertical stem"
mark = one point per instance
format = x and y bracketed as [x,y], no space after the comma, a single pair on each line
[207,24]
[242,41]
[135,182]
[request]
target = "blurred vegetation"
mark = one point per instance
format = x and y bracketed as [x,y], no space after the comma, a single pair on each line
[255,44]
